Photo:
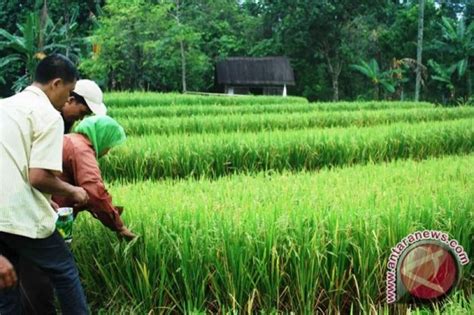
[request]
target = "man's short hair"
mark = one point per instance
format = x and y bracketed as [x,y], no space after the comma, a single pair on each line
[56,66]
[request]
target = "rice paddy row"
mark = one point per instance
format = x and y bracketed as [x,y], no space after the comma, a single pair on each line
[215,155]
[256,108]
[121,99]
[305,243]
[282,121]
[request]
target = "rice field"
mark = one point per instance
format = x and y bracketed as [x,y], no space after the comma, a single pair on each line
[286,121]
[148,99]
[257,108]
[215,155]
[250,211]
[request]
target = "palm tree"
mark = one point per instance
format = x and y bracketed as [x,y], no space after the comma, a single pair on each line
[419,49]
[378,78]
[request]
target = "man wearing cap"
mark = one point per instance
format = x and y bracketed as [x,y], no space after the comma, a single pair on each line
[86,99]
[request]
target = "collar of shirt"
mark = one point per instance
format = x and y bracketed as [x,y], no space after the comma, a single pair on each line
[36,90]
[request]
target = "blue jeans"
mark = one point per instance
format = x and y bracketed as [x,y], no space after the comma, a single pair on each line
[53,257]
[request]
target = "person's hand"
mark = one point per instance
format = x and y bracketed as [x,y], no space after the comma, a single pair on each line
[80,197]
[119,209]
[54,205]
[126,234]
[7,274]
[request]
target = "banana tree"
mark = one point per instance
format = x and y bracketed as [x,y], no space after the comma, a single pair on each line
[4,63]
[25,47]
[378,78]
[444,74]
[458,41]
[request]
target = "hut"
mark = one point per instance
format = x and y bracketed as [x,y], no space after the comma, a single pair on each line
[249,75]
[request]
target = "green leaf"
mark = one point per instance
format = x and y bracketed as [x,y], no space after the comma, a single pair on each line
[441,79]
[462,66]
[9,59]
[387,86]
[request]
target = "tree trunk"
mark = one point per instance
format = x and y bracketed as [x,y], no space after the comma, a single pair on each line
[469,83]
[183,66]
[419,49]
[43,18]
[67,22]
[334,71]
[181,48]
[335,87]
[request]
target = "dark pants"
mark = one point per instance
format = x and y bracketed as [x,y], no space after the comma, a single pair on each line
[53,257]
[37,291]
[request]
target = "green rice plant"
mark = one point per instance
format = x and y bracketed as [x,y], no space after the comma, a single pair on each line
[459,303]
[257,108]
[305,243]
[267,122]
[214,155]
[120,99]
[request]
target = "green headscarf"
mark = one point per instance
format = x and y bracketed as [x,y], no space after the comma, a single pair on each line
[102,131]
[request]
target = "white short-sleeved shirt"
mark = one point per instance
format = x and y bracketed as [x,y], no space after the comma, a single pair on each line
[31,136]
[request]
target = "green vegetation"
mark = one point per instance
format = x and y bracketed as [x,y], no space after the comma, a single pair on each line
[286,121]
[267,207]
[256,107]
[173,45]
[264,204]
[141,99]
[289,242]
[213,155]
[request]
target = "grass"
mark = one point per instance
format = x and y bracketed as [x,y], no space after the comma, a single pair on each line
[275,205]
[120,99]
[287,121]
[305,243]
[255,108]
[215,155]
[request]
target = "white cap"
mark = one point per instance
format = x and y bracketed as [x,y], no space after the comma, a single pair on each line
[93,95]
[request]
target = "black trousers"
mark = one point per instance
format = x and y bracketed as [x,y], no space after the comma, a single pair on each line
[36,290]
[41,259]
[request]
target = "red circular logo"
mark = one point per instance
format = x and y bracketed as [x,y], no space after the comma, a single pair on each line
[428,271]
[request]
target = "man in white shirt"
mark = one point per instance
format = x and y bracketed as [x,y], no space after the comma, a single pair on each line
[37,292]
[31,138]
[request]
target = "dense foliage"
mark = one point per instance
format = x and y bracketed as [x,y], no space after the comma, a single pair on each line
[339,49]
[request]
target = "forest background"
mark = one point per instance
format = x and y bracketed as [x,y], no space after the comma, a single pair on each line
[340,50]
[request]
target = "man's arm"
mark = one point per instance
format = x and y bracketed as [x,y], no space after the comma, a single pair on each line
[46,182]
[7,274]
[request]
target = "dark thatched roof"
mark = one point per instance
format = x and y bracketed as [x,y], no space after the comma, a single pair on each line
[255,71]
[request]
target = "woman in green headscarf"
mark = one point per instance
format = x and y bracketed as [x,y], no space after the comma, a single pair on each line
[93,137]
